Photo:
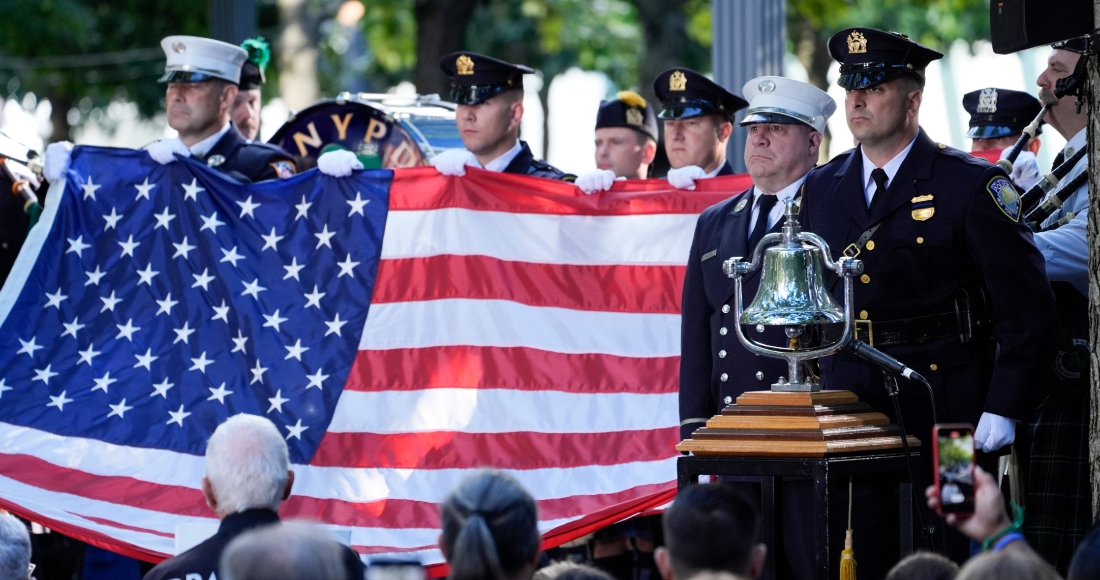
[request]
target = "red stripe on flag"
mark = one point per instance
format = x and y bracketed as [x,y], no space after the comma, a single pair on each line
[423,188]
[115,524]
[613,288]
[523,450]
[402,513]
[519,368]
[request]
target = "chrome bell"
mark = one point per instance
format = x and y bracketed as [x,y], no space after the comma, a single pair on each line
[792,294]
[792,290]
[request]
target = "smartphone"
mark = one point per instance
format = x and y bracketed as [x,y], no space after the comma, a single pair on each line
[395,569]
[953,460]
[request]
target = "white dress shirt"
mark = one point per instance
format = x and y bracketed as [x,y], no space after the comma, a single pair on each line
[891,169]
[203,147]
[501,163]
[776,212]
[1066,248]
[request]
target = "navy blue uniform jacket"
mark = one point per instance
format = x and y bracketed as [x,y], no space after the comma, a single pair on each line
[250,162]
[714,367]
[916,267]
[525,163]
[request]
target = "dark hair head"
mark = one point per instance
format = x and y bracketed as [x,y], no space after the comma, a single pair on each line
[923,566]
[710,527]
[490,528]
[1086,560]
[566,570]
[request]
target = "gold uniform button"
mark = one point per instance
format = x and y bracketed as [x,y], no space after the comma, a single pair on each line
[863,315]
[920,240]
[870,245]
[865,279]
[933,366]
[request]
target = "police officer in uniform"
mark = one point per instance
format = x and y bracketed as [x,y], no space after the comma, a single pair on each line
[997,119]
[698,116]
[246,108]
[626,142]
[202,76]
[489,94]
[944,253]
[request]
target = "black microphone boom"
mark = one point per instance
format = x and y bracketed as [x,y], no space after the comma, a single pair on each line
[869,353]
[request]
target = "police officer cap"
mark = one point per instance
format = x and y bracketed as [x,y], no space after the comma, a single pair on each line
[685,93]
[786,101]
[628,109]
[476,77]
[191,59]
[869,57]
[999,112]
[259,55]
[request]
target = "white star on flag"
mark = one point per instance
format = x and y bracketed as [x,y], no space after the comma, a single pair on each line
[357,205]
[89,188]
[192,192]
[144,189]
[59,401]
[78,246]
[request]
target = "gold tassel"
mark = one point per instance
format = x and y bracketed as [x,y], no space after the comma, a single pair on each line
[848,556]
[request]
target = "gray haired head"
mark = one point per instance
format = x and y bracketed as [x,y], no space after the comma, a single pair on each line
[15,548]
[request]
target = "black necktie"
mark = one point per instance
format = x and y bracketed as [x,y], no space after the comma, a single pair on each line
[879,175]
[1059,159]
[764,203]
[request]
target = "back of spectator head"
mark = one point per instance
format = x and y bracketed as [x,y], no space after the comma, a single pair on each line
[284,552]
[566,570]
[15,548]
[1007,565]
[923,566]
[490,529]
[1086,560]
[710,528]
[246,466]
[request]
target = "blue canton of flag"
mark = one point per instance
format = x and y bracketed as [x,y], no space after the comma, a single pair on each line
[152,302]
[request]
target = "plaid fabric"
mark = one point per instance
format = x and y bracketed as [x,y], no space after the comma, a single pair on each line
[1059,504]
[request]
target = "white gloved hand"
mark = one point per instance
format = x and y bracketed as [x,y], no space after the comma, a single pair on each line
[1025,171]
[58,156]
[994,432]
[339,163]
[596,181]
[165,151]
[684,177]
[454,162]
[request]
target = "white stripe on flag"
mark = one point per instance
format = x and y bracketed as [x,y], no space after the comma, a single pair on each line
[510,324]
[501,411]
[661,239]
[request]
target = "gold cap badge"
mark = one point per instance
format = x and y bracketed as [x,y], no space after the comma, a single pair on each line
[634,117]
[464,65]
[677,82]
[857,44]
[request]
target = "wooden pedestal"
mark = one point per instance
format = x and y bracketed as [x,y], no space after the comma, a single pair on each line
[774,424]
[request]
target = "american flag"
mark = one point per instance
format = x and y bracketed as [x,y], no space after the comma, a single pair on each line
[501,321]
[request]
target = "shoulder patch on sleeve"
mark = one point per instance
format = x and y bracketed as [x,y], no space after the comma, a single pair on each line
[1005,196]
[283,169]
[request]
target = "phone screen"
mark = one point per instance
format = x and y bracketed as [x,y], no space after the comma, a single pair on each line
[955,467]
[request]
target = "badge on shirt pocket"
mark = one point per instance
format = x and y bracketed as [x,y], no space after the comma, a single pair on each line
[923,208]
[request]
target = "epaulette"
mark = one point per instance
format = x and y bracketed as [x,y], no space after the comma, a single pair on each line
[944,149]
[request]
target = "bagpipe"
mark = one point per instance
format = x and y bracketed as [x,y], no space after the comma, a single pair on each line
[22,173]
[384,131]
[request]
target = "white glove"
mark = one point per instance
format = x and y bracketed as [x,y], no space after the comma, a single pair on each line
[165,151]
[1025,171]
[454,162]
[339,163]
[58,156]
[596,181]
[994,432]
[684,177]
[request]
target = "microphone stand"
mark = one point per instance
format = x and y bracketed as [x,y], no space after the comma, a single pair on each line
[890,381]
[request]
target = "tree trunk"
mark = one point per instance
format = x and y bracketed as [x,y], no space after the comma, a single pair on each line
[1094,273]
[59,117]
[665,42]
[810,47]
[297,57]
[440,29]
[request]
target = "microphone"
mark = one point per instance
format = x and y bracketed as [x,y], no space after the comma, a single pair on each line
[868,353]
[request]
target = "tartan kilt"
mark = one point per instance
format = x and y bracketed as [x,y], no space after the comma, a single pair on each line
[1059,502]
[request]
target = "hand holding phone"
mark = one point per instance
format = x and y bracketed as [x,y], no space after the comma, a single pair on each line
[953,460]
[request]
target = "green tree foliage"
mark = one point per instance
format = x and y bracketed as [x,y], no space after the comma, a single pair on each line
[83,54]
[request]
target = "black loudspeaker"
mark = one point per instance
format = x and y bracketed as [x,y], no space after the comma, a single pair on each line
[1019,24]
